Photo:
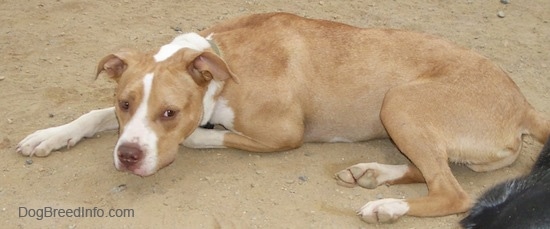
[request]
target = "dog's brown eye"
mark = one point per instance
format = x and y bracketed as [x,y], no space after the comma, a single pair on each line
[169,113]
[124,105]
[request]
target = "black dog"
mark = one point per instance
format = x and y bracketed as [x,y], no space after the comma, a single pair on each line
[520,203]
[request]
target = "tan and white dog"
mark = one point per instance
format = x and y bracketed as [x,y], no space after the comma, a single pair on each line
[275,81]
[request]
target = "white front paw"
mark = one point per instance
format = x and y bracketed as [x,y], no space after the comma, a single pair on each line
[42,142]
[383,211]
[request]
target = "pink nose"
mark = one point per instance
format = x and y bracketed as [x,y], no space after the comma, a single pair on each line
[129,154]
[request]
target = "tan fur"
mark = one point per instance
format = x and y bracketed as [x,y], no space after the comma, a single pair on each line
[437,100]
[304,80]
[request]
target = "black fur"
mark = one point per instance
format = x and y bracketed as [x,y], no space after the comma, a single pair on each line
[520,203]
[208,126]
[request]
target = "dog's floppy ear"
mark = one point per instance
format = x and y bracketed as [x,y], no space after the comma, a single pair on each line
[207,66]
[114,64]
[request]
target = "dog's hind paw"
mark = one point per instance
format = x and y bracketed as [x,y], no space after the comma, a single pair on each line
[370,175]
[356,175]
[383,211]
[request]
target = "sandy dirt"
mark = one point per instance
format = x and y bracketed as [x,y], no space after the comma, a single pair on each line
[49,51]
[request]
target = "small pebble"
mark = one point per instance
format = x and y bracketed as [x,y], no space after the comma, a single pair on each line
[10,121]
[501,14]
[51,115]
[176,28]
[2,78]
[303,178]
[28,161]
[119,188]
[504,1]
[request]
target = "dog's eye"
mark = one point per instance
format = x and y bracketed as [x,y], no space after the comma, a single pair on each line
[169,114]
[124,105]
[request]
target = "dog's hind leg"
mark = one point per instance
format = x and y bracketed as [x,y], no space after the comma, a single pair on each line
[426,151]
[499,158]
[445,195]
[422,135]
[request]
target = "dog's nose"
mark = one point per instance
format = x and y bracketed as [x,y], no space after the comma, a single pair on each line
[129,154]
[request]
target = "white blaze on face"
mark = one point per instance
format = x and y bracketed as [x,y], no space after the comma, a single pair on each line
[188,40]
[138,131]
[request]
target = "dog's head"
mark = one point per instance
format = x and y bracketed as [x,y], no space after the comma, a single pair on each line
[159,99]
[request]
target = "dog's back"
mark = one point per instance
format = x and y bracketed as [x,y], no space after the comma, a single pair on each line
[520,203]
[275,81]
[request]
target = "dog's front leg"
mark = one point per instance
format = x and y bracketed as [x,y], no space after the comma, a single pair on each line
[213,138]
[43,142]
[205,138]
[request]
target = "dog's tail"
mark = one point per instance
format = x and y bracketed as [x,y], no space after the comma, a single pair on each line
[537,125]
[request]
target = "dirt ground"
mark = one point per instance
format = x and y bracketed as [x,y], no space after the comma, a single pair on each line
[49,51]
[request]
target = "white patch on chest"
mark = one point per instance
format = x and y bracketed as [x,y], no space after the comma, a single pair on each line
[188,40]
[223,114]
[208,101]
